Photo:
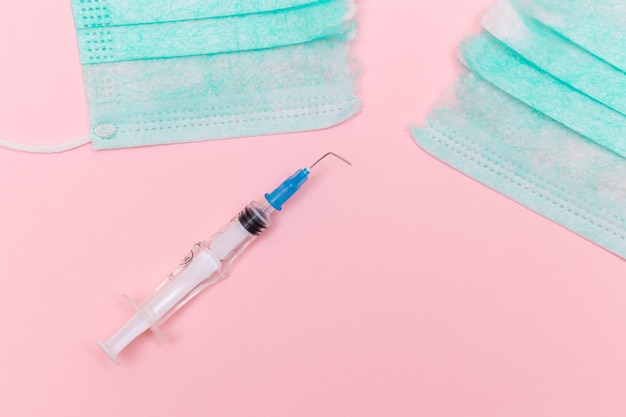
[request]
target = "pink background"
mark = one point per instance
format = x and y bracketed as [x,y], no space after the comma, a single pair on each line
[396,288]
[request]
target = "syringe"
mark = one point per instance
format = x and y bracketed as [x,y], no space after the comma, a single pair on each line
[206,264]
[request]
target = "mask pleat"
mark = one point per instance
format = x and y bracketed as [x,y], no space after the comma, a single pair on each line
[214,35]
[597,26]
[107,13]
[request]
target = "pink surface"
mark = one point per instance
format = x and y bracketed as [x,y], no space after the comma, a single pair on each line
[395,288]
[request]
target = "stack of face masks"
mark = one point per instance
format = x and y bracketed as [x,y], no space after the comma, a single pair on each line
[541,116]
[175,71]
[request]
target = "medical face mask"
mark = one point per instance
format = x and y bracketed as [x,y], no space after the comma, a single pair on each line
[163,72]
[556,55]
[275,71]
[597,26]
[505,144]
[509,71]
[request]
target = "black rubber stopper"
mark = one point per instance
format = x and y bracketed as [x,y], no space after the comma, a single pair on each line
[251,221]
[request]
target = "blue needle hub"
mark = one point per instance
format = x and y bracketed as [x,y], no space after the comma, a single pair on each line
[287,189]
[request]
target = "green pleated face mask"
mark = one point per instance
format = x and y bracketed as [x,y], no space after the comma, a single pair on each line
[163,72]
[541,116]
[494,138]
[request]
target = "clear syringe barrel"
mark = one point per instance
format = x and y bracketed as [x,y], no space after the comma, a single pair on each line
[207,263]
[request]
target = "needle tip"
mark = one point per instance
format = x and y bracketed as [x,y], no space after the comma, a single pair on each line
[330,154]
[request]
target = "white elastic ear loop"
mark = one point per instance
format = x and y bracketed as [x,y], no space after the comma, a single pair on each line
[62,147]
